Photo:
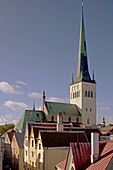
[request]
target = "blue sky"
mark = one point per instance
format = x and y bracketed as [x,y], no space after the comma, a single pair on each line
[39,42]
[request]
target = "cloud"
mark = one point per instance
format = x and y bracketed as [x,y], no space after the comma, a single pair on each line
[21,83]
[3,120]
[5,87]
[15,105]
[104,108]
[35,95]
[57,99]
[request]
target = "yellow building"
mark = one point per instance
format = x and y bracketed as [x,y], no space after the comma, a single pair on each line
[52,147]
[18,151]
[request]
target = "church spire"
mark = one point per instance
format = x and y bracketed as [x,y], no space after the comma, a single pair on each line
[82,69]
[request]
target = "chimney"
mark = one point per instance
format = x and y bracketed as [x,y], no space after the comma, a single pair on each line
[94,147]
[60,122]
[43,100]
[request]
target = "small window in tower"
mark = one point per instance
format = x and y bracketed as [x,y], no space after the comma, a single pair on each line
[91,94]
[85,93]
[88,93]
[86,109]
[32,143]
[73,95]
[77,120]
[88,121]
[90,109]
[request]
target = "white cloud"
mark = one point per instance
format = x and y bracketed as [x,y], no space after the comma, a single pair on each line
[104,108]
[5,87]
[15,105]
[3,120]
[8,116]
[57,99]
[21,83]
[35,95]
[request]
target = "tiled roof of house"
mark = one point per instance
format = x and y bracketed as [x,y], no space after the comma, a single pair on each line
[61,165]
[64,108]
[61,139]
[105,157]
[107,130]
[30,115]
[20,139]
[81,156]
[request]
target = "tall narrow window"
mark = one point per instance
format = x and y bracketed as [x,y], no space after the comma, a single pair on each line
[85,93]
[73,95]
[77,120]
[88,93]
[91,94]
[69,119]
[52,118]
[32,143]
[77,94]
[88,121]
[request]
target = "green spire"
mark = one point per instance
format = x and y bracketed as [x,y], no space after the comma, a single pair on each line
[33,105]
[82,69]
[72,81]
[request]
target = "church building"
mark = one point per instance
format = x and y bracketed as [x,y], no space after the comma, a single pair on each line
[83,89]
[82,106]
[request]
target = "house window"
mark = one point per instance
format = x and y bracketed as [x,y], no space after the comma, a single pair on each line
[73,95]
[85,93]
[90,109]
[52,118]
[39,145]
[26,153]
[32,154]
[77,94]
[39,156]
[86,109]
[32,143]
[91,94]
[32,164]
[88,93]
[69,119]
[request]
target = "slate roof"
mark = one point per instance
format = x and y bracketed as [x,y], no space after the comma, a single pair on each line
[30,115]
[64,108]
[87,131]
[61,139]
[20,139]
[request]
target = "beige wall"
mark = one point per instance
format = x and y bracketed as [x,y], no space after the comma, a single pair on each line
[70,162]
[17,155]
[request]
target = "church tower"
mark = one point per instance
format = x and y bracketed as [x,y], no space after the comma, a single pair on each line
[83,89]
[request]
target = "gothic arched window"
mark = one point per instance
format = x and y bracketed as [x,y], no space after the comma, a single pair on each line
[69,119]
[85,93]
[77,120]
[52,118]
[91,94]
[88,93]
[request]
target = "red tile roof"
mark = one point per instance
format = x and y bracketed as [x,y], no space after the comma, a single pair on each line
[61,164]
[105,157]
[61,139]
